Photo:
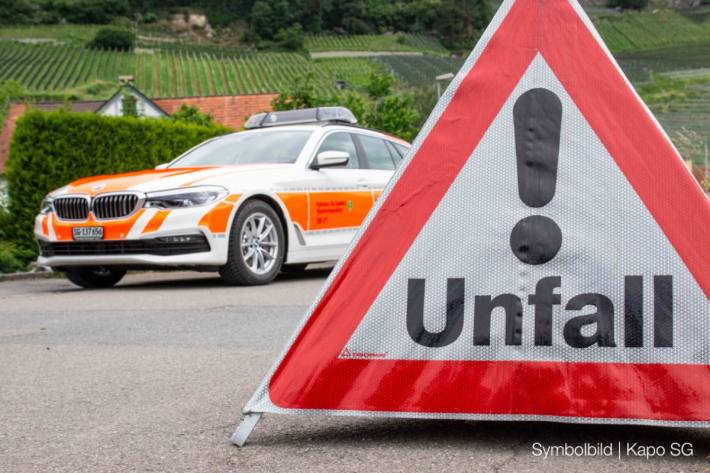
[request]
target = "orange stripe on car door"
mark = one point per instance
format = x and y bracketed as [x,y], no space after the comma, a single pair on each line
[217,218]
[155,222]
[329,210]
[297,206]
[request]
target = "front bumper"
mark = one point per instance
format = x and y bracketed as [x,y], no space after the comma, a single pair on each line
[166,246]
[150,237]
[141,252]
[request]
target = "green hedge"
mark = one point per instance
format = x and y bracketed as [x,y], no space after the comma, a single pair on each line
[51,149]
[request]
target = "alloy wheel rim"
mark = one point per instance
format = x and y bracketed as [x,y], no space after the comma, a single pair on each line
[259,243]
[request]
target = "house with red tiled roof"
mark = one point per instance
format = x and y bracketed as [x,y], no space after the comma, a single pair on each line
[229,110]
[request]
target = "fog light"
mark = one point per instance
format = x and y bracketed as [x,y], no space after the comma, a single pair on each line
[182,239]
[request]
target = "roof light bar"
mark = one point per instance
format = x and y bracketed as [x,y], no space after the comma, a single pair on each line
[306,115]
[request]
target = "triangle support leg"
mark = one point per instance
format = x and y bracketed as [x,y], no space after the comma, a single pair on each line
[240,436]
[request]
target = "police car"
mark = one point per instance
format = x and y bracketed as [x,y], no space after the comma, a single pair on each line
[290,190]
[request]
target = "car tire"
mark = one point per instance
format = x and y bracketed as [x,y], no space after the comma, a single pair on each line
[95,278]
[256,246]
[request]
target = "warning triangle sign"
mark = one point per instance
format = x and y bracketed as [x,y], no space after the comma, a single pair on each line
[542,254]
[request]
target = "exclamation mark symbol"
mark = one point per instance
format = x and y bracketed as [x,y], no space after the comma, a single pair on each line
[538,116]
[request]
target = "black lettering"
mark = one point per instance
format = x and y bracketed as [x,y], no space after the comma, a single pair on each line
[454,313]
[603,318]
[633,311]
[663,311]
[484,306]
[543,300]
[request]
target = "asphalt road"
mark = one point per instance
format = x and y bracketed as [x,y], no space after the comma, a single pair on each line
[152,376]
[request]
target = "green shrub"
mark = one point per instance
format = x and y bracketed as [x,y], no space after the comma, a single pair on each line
[12,258]
[9,262]
[395,114]
[51,149]
[392,113]
[191,114]
[9,90]
[89,11]
[291,38]
[379,85]
[113,39]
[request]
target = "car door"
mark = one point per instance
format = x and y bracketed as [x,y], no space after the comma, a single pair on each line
[339,197]
[379,162]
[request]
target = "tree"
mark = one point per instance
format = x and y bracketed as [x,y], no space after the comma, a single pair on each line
[113,39]
[261,19]
[291,38]
[353,16]
[628,4]
[90,11]
[267,19]
[191,114]
[379,85]
[311,15]
[17,11]
[281,16]
[460,22]
[395,114]
[303,94]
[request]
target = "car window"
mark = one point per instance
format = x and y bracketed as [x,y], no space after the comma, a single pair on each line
[376,152]
[403,150]
[341,141]
[247,148]
[394,153]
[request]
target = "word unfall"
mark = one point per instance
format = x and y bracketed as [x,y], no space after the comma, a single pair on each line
[542,302]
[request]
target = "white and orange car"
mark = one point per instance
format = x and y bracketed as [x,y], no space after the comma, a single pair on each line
[289,191]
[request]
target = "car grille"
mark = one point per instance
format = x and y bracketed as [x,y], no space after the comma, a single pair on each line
[154,246]
[114,205]
[71,208]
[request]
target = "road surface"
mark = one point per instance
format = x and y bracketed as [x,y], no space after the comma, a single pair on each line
[152,376]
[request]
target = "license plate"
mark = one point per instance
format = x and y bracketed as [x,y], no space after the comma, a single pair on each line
[88,233]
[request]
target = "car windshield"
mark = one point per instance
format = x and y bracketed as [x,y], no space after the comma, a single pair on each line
[268,147]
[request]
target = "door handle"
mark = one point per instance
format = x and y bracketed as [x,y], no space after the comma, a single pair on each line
[364,183]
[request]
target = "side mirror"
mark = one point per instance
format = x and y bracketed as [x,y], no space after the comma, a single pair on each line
[327,159]
[161,166]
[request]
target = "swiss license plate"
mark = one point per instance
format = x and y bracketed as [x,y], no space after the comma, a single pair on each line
[88,233]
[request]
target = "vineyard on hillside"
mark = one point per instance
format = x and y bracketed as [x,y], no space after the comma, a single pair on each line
[652,30]
[381,42]
[419,70]
[640,65]
[58,69]
[354,71]
[691,117]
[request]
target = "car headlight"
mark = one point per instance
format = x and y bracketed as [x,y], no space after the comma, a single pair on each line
[46,206]
[185,198]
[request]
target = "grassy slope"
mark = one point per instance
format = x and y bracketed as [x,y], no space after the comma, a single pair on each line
[71,34]
[635,31]
[627,32]
[682,104]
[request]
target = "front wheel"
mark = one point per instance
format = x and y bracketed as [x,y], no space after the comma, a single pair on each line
[95,278]
[256,246]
